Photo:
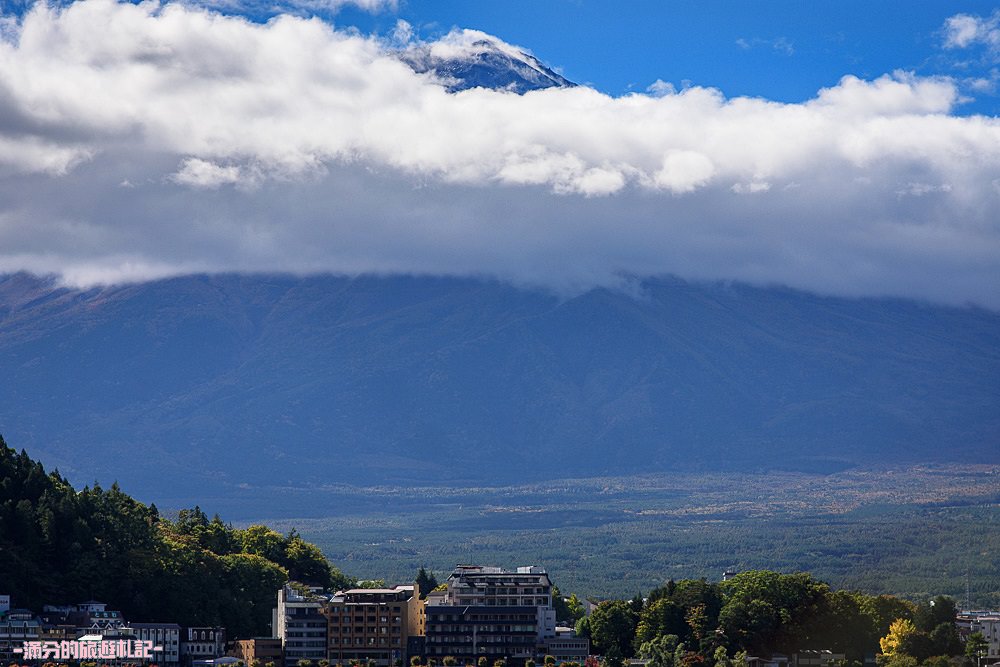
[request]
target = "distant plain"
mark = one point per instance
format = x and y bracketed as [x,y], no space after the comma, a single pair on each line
[914,531]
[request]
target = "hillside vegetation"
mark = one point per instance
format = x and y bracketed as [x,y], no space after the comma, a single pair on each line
[59,545]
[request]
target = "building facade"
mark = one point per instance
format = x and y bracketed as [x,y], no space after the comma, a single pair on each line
[492,612]
[202,643]
[264,650]
[300,624]
[165,635]
[986,622]
[16,627]
[373,624]
[567,647]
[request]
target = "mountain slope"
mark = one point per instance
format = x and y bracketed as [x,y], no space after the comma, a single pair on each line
[231,380]
[467,59]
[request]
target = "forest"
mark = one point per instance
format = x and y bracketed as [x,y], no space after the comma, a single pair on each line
[60,546]
[759,613]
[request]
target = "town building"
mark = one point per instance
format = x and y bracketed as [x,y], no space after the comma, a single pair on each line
[492,612]
[818,658]
[566,646]
[366,624]
[16,627]
[202,643]
[163,635]
[986,622]
[262,650]
[300,624]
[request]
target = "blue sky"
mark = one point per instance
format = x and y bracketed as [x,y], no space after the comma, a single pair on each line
[779,49]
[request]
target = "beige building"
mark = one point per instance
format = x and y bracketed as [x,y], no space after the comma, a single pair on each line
[259,649]
[373,624]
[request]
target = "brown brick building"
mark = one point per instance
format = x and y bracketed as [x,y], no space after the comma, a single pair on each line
[373,624]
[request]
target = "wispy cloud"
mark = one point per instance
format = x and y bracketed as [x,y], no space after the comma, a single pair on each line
[292,146]
[780,45]
[962,31]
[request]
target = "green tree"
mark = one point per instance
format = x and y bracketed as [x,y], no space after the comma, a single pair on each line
[721,658]
[976,647]
[568,610]
[929,615]
[260,540]
[612,627]
[426,582]
[574,606]
[660,617]
[846,626]
[659,651]
[945,640]
[766,611]
[884,610]
[613,657]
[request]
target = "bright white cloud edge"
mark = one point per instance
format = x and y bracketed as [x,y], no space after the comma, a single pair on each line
[290,146]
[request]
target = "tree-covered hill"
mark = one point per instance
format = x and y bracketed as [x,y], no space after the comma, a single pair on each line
[59,545]
[240,386]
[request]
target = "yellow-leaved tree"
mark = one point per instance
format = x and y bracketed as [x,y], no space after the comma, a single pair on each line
[899,630]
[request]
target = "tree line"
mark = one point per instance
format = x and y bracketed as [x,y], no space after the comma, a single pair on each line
[759,613]
[59,546]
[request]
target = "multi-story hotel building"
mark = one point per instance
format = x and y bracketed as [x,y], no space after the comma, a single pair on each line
[300,625]
[373,624]
[491,612]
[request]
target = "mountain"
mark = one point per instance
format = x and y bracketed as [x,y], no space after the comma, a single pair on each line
[472,59]
[222,381]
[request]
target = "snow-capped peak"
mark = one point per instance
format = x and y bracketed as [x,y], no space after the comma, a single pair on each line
[465,59]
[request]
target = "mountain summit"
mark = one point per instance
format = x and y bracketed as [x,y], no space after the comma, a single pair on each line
[466,59]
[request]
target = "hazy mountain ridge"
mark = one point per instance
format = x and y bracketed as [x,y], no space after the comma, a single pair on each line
[269,380]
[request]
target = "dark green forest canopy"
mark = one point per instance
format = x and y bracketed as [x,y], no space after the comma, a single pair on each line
[59,545]
[761,612]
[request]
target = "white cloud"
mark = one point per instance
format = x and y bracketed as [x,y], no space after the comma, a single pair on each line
[964,30]
[684,171]
[204,174]
[780,45]
[659,88]
[270,7]
[290,146]
[921,189]
[751,188]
